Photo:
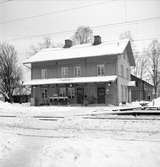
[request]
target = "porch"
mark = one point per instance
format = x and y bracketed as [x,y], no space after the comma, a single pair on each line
[75,91]
[75,94]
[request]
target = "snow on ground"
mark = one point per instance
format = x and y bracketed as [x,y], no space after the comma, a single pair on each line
[77,152]
[65,136]
[155,102]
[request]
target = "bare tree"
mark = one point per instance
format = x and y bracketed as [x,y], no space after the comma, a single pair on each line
[46,43]
[126,35]
[140,59]
[154,59]
[83,34]
[10,72]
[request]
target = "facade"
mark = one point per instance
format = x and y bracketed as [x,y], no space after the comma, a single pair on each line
[97,73]
[142,90]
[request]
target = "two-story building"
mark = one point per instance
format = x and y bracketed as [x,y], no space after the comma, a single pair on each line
[97,73]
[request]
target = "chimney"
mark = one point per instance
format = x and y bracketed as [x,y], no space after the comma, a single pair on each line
[97,40]
[68,43]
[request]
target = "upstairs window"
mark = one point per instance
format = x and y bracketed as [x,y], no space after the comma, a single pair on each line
[77,71]
[43,73]
[64,72]
[100,69]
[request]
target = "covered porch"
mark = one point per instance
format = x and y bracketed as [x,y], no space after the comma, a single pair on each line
[75,91]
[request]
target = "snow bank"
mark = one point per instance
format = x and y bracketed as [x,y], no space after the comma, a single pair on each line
[155,102]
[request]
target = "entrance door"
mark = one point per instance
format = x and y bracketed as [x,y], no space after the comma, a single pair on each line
[80,95]
[101,95]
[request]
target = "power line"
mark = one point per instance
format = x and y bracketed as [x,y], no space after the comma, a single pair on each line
[137,40]
[5,1]
[99,26]
[55,12]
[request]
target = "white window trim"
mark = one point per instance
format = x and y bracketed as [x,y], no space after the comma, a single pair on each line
[43,73]
[64,72]
[77,71]
[100,67]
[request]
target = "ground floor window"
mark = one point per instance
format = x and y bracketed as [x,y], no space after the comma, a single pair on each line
[44,93]
[62,92]
[71,93]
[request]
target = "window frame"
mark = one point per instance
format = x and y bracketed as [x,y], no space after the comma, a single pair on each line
[44,93]
[100,69]
[43,73]
[77,71]
[64,71]
[62,91]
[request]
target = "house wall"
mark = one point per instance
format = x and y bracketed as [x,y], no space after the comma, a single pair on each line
[112,93]
[88,67]
[90,90]
[115,93]
[123,79]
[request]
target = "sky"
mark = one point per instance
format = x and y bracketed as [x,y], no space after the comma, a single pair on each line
[26,22]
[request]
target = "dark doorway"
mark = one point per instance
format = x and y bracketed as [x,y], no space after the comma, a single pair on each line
[80,95]
[101,95]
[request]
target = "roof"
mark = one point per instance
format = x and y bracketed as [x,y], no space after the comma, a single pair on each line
[22,91]
[134,78]
[83,51]
[72,80]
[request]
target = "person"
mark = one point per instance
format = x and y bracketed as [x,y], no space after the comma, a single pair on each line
[85,100]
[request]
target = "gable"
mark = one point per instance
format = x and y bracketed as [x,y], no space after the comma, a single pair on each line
[130,55]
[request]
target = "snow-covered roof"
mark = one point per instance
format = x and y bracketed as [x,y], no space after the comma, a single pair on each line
[71,80]
[82,51]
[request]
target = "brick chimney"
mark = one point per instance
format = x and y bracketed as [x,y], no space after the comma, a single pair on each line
[68,43]
[97,40]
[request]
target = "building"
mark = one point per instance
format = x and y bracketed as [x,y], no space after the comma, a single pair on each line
[21,94]
[97,73]
[142,91]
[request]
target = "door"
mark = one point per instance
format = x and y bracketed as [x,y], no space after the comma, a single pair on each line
[101,95]
[80,95]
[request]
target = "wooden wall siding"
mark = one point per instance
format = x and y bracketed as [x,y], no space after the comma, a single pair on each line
[123,80]
[88,67]
[89,89]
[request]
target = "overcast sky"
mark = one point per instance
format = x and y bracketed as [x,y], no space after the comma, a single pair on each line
[26,22]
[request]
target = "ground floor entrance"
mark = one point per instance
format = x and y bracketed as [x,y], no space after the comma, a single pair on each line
[101,95]
[80,95]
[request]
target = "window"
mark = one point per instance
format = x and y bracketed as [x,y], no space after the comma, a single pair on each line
[43,73]
[122,71]
[77,71]
[64,72]
[44,93]
[71,92]
[62,92]
[100,69]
